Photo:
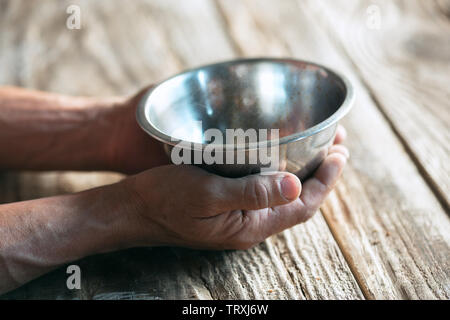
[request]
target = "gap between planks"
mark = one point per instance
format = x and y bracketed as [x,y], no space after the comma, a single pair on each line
[346,254]
[406,286]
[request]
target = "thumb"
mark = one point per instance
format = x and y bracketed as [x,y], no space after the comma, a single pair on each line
[260,191]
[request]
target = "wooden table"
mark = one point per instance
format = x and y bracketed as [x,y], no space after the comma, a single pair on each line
[383,233]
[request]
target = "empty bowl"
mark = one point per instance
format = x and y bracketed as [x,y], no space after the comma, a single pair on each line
[296,103]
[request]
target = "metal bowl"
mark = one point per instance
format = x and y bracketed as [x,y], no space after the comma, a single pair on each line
[303,100]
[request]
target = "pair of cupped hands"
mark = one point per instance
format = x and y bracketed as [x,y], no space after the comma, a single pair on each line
[184,205]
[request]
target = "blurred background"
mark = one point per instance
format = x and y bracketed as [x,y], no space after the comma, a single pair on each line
[389,212]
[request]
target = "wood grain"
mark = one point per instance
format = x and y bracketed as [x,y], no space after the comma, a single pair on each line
[118,50]
[405,63]
[389,225]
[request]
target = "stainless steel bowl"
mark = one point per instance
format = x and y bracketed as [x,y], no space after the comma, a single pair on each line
[303,100]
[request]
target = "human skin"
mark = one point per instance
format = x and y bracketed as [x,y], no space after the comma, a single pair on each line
[41,131]
[47,131]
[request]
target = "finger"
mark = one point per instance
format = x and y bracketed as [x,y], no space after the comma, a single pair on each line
[283,217]
[313,193]
[341,135]
[260,224]
[256,191]
[339,148]
[317,188]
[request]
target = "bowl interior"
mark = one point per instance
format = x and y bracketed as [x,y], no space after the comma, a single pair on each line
[291,96]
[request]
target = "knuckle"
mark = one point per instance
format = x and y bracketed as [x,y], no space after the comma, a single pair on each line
[259,193]
[206,195]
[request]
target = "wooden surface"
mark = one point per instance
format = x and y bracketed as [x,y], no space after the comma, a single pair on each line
[383,233]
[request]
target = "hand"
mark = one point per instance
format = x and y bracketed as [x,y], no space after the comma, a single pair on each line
[187,206]
[169,205]
[130,149]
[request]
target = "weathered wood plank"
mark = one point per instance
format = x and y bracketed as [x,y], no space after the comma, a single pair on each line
[119,49]
[388,223]
[295,264]
[402,51]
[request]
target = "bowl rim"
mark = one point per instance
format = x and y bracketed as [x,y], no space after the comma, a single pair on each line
[340,112]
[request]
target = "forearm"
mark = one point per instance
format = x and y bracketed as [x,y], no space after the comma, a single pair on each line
[39,235]
[43,131]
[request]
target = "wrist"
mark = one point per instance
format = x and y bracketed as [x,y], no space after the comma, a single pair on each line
[104,118]
[123,218]
[126,147]
[39,235]
[110,215]
[140,210]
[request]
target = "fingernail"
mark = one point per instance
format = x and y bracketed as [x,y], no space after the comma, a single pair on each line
[290,187]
